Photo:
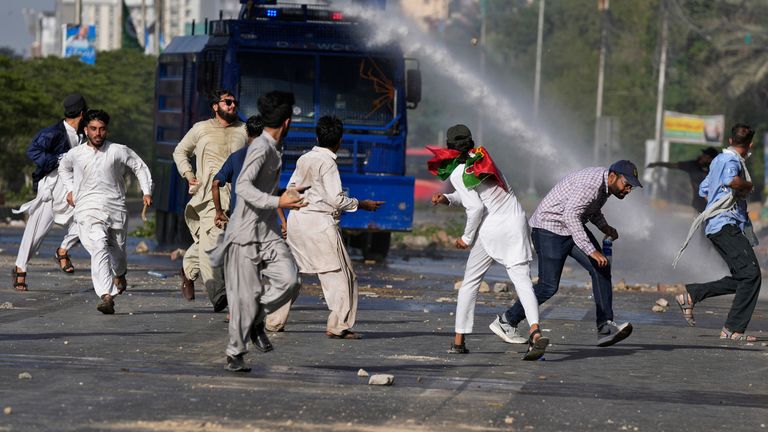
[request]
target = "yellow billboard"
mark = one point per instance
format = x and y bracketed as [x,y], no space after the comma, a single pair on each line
[695,129]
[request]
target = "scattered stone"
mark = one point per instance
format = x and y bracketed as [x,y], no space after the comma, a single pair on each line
[6,305]
[17,223]
[484,288]
[25,376]
[381,380]
[7,410]
[509,420]
[658,309]
[416,241]
[370,294]
[543,377]
[662,302]
[500,287]
[445,300]
[362,373]
[141,248]
[407,297]
[442,237]
[369,262]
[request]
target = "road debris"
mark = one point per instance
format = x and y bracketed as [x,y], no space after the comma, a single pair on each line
[362,373]
[381,380]
[25,376]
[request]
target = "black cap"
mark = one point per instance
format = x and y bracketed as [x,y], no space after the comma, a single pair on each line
[628,170]
[458,134]
[74,104]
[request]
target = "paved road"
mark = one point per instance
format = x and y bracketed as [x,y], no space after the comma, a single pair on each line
[158,363]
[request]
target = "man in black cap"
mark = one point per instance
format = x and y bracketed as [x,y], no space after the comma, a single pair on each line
[50,205]
[697,169]
[559,231]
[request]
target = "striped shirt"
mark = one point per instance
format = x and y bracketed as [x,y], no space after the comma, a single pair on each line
[575,200]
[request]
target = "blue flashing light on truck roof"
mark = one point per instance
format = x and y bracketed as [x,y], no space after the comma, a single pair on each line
[322,56]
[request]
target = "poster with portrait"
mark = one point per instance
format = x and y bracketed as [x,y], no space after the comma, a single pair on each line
[80,41]
[693,129]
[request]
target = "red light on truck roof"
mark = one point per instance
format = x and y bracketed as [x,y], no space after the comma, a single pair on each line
[337,16]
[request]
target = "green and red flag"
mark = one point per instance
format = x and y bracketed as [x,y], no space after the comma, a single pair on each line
[478,167]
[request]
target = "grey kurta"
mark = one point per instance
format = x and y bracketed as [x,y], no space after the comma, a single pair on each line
[252,246]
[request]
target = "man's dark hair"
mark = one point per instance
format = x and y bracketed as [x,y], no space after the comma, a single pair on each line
[254,126]
[741,134]
[216,96]
[99,115]
[276,107]
[329,130]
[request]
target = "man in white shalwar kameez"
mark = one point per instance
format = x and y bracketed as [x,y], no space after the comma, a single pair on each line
[314,235]
[94,176]
[50,205]
[497,231]
[252,248]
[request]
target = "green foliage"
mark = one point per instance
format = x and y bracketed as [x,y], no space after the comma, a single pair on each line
[121,83]
[147,230]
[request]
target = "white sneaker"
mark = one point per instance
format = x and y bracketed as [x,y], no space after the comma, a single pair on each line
[506,332]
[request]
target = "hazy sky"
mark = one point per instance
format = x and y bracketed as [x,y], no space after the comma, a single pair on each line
[13,27]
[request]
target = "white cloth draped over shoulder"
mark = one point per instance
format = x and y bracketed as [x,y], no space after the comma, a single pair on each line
[495,217]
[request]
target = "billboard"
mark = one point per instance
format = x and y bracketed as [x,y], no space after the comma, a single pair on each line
[694,129]
[79,41]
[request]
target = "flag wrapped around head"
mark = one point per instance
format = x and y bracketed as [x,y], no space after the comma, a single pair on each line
[479,167]
[444,162]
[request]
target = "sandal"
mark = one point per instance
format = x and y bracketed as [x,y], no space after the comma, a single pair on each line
[727,334]
[67,267]
[120,283]
[686,307]
[346,334]
[458,349]
[537,348]
[19,285]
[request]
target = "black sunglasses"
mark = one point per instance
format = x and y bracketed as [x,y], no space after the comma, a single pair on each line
[229,102]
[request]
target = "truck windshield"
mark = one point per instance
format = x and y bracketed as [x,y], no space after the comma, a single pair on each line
[358,90]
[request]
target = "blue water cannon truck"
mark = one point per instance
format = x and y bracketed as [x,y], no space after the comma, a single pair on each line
[324,57]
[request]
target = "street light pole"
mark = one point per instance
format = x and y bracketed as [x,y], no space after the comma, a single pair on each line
[483,15]
[660,96]
[602,6]
[536,91]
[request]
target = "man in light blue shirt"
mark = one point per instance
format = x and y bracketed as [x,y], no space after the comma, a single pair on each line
[726,188]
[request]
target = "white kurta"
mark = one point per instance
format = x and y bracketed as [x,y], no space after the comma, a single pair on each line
[48,207]
[497,230]
[495,217]
[96,178]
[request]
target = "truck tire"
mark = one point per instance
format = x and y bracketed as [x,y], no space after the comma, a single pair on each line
[376,245]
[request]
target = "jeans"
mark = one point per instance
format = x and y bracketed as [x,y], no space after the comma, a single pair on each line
[552,250]
[744,281]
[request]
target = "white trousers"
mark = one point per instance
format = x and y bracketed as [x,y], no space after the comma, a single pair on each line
[478,264]
[108,259]
[39,224]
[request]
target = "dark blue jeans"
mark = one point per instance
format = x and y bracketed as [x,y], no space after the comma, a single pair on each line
[551,251]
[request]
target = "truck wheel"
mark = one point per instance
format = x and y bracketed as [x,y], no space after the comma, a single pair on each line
[376,245]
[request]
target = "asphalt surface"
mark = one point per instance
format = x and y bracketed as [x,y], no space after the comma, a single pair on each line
[158,364]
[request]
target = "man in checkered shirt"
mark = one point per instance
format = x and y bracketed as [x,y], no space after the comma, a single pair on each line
[559,230]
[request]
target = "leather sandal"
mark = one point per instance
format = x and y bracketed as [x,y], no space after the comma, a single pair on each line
[686,307]
[741,337]
[67,268]
[536,348]
[346,334]
[19,286]
[120,283]
[458,349]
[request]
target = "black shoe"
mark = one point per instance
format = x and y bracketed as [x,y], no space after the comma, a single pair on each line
[107,305]
[236,364]
[458,349]
[260,340]
[220,304]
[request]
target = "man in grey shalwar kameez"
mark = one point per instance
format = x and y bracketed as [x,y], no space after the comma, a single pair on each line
[252,246]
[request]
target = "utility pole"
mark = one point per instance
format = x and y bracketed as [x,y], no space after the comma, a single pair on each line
[537,91]
[660,95]
[78,12]
[483,15]
[144,24]
[158,26]
[602,7]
